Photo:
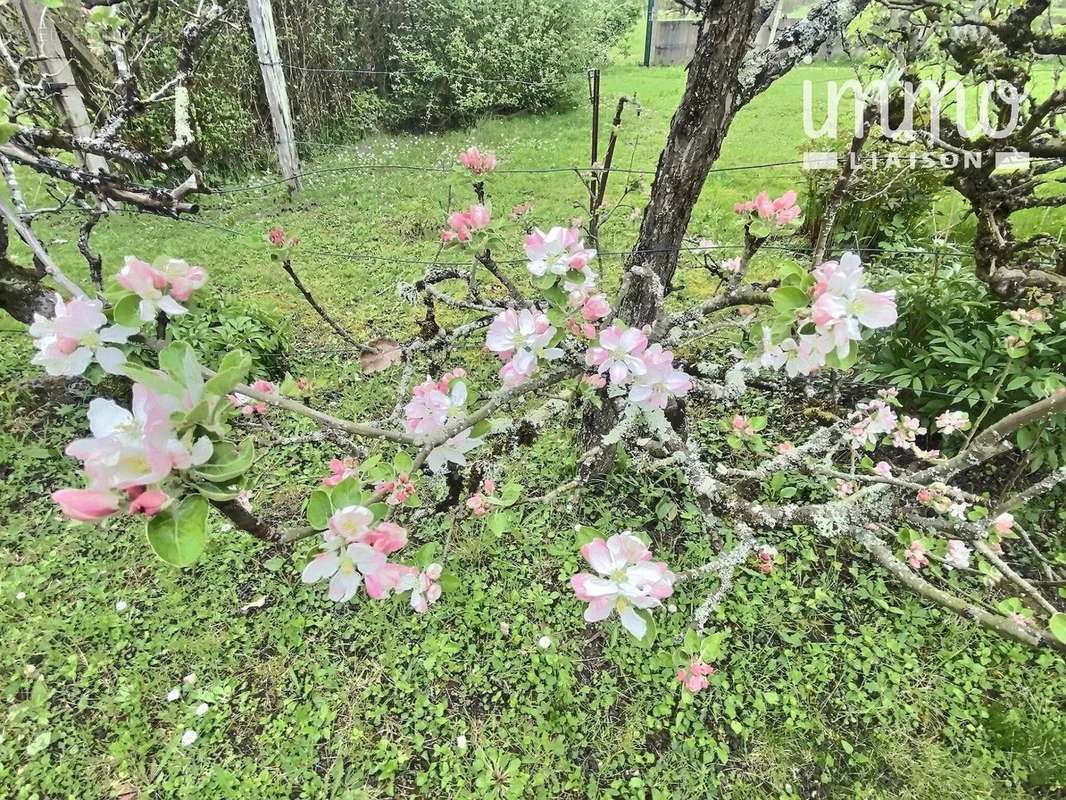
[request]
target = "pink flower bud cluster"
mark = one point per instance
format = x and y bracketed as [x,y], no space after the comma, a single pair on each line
[477,162]
[782,211]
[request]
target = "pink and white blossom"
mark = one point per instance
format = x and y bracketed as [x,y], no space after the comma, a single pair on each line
[906,431]
[426,589]
[843,306]
[135,448]
[951,421]
[627,580]
[463,224]
[741,425]
[149,284]
[453,451]
[844,488]
[618,352]
[659,381]
[182,278]
[339,470]
[433,404]
[781,211]
[693,676]
[958,555]
[77,335]
[1004,523]
[916,555]
[557,251]
[477,162]
[883,468]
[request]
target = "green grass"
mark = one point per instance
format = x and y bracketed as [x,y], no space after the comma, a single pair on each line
[832,683]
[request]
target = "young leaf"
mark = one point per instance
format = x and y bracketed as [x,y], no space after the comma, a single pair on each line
[178,534]
[227,462]
[319,509]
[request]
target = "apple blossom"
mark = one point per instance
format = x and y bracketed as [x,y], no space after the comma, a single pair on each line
[693,676]
[86,505]
[785,448]
[1004,523]
[462,224]
[844,488]
[916,555]
[454,450]
[147,501]
[741,425]
[906,431]
[781,211]
[659,381]
[148,283]
[477,162]
[477,505]
[958,555]
[433,403]
[557,251]
[249,405]
[353,551]
[618,353]
[595,307]
[133,449]
[869,422]
[843,306]
[951,421]
[766,555]
[398,490]
[628,579]
[426,589]
[1020,619]
[78,334]
[339,470]
[182,278]
[883,468]
[734,265]
[802,355]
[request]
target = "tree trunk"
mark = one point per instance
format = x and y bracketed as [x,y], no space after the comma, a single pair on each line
[697,131]
[722,78]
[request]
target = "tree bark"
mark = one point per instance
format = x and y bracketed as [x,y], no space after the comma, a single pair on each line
[722,78]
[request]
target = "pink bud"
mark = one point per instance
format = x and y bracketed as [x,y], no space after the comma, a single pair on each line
[86,505]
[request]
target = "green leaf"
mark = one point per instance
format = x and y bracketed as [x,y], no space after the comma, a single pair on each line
[319,509]
[346,493]
[227,462]
[39,743]
[7,130]
[510,493]
[379,510]
[1025,438]
[788,298]
[711,646]
[178,534]
[402,462]
[691,645]
[1057,626]
[498,522]
[126,311]
[231,371]
[155,380]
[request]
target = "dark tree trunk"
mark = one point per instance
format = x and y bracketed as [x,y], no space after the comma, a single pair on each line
[722,78]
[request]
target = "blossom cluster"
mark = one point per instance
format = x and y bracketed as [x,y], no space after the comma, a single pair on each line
[838,307]
[557,252]
[249,405]
[622,353]
[76,336]
[693,676]
[151,284]
[355,553]
[782,211]
[433,405]
[463,224]
[627,581]
[128,455]
[477,162]
[520,339]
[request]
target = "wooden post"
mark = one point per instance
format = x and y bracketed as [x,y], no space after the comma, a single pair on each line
[647,33]
[55,69]
[266,44]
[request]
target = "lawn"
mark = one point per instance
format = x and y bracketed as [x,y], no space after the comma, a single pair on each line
[833,682]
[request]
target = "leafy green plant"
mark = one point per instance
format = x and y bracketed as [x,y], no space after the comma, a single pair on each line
[952,351]
[221,327]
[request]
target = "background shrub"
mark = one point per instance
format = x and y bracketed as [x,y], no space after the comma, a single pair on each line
[354,65]
[893,196]
[947,351]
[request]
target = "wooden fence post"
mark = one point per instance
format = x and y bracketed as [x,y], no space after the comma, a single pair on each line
[266,44]
[55,68]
